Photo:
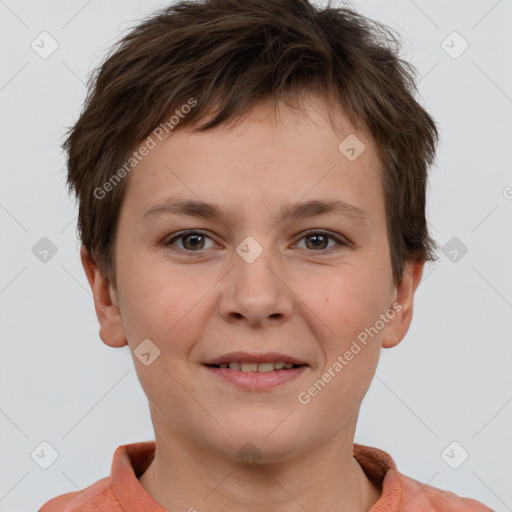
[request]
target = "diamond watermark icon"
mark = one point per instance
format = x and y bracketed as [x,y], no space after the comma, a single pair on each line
[44,45]
[147,352]
[454,455]
[249,453]
[249,249]
[454,45]
[44,455]
[454,249]
[351,147]
[44,250]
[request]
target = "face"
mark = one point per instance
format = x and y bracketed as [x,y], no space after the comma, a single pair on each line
[237,276]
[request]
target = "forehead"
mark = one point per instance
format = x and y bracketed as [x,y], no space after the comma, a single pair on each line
[264,159]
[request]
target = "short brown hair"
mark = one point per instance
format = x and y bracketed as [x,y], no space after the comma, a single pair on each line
[233,53]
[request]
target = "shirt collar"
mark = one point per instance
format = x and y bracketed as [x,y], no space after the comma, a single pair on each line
[131,461]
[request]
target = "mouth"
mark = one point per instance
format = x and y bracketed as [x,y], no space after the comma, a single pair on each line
[243,366]
[255,372]
[246,361]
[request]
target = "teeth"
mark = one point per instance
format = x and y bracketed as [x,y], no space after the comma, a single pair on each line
[266,367]
[256,367]
[249,367]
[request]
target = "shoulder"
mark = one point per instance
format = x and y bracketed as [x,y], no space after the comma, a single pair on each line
[419,497]
[90,499]
[400,492]
[108,493]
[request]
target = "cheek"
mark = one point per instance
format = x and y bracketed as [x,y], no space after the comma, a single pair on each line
[164,306]
[350,305]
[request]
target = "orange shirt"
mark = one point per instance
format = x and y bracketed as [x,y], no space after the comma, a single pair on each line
[122,491]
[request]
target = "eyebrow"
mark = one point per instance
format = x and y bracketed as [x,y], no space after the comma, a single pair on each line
[296,211]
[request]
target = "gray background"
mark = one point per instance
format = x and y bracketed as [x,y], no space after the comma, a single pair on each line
[449,380]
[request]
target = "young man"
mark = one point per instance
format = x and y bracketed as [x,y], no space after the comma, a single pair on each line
[257,266]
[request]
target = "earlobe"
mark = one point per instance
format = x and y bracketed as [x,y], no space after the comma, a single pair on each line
[107,310]
[403,305]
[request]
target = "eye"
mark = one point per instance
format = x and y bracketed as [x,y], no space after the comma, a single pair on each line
[192,241]
[319,239]
[195,241]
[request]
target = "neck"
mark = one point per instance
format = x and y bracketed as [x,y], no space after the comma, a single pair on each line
[183,476]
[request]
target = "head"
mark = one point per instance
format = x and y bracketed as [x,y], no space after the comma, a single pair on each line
[253,107]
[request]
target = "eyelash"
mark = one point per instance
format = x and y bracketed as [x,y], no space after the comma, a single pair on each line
[341,242]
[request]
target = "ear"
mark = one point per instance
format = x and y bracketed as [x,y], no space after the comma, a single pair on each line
[404,292]
[107,310]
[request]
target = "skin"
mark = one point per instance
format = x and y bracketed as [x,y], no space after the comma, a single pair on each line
[296,298]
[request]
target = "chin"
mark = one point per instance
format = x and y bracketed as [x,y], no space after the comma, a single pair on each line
[262,442]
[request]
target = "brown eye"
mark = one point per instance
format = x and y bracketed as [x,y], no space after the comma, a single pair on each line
[191,241]
[319,240]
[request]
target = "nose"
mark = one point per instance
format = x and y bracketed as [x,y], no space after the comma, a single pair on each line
[257,292]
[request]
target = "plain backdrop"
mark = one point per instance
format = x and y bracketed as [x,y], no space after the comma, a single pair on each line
[449,381]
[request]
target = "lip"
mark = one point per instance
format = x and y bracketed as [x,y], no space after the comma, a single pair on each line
[256,381]
[246,357]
